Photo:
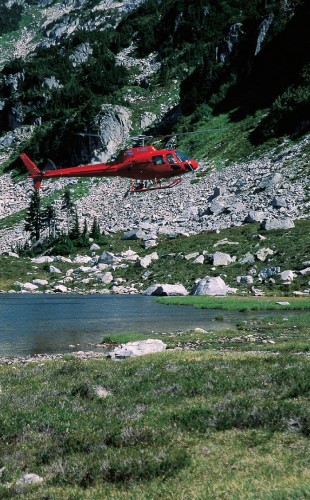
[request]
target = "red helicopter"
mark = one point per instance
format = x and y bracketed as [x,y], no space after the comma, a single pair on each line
[145,165]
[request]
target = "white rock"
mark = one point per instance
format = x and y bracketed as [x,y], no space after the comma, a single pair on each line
[165,289]
[222,259]
[199,260]
[60,289]
[43,259]
[105,278]
[287,275]
[53,269]
[39,282]
[147,260]
[139,348]
[26,480]
[212,286]
[29,287]
[263,253]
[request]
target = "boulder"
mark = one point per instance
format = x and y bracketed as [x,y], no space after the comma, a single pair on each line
[129,255]
[217,207]
[13,254]
[39,282]
[29,287]
[27,480]
[248,280]
[212,286]
[139,348]
[279,202]
[61,258]
[60,289]
[166,290]
[305,271]
[53,269]
[192,255]
[199,260]
[247,258]
[225,241]
[222,259]
[255,216]
[150,244]
[108,258]
[147,260]
[287,275]
[134,234]
[105,278]
[271,224]
[270,181]
[268,271]
[94,247]
[82,259]
[263,253]
[43,259]
[85,269]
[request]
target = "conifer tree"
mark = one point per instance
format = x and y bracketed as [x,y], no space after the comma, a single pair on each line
[95,229]
[85,228]
[48,218]
[33,221]
[75,230]
[68,205]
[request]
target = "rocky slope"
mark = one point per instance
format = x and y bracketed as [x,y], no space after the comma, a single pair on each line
[270,188]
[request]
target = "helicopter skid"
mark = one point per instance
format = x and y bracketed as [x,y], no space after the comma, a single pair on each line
[143,187]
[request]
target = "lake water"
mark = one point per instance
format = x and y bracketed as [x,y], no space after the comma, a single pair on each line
[38,324]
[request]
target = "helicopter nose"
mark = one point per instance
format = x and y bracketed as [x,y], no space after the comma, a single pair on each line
[194,164]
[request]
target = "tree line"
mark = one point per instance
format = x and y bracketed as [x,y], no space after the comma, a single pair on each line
[44,233]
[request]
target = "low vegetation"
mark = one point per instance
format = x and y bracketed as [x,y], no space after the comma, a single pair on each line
[238,303]
[290,249]
[225,418]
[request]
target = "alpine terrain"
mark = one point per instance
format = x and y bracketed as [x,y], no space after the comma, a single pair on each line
[226,81]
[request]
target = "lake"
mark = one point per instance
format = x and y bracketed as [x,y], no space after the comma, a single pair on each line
[48,324]
[39,324]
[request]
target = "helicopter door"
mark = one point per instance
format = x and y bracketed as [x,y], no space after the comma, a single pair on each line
[158,160]
[172,162]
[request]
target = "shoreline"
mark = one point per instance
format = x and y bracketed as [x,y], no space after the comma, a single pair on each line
[34,358]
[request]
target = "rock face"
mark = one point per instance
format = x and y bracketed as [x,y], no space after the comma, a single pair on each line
[114,123]
[140,348]
[212,286]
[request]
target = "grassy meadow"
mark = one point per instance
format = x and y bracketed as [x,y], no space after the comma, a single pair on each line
[217,415]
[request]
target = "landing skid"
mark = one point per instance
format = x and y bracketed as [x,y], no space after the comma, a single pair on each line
[141,187]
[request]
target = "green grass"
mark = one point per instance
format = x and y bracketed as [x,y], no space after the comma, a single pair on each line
[238,303]
[203,424]
[290,247]
[220,140]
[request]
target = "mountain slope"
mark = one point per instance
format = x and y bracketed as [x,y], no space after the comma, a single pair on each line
[229,62]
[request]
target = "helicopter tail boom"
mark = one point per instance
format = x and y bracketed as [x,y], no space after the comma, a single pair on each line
[33,170]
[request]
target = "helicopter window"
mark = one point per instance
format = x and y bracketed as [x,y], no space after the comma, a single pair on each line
[158,160]
[170,158]
[182,156]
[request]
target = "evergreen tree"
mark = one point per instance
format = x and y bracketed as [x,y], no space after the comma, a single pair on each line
[75,230]
[33,221]
[95,229]
[85,228]
[68,205]
[48,218]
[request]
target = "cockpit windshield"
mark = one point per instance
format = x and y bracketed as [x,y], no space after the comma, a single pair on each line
[181,156]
